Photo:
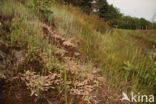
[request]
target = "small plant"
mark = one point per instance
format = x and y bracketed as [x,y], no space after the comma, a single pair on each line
[42,7]
[128,66]
[38,84]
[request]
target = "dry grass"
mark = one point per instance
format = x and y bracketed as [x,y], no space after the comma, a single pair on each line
[104,53]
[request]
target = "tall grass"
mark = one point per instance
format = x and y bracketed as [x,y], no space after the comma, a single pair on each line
[117,54]
[125,61]
[71,21]
[25,31]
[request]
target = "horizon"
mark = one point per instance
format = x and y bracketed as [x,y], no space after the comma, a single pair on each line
[140,9]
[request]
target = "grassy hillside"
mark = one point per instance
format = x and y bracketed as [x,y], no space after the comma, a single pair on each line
[56,53]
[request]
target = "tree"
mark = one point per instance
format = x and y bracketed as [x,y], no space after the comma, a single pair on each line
[107,12]
[102,8]
[111,14]
[85,5]
[144,23]
[154,25]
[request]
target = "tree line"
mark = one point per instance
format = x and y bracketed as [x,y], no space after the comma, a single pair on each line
[111,14]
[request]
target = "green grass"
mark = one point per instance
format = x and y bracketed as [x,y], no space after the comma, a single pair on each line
[117,53]
[25,31]
[145,35]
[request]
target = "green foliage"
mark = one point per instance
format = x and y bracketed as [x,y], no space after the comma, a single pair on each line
[148,36]
[154,25]
[128,22]
[85,5]
[117,54]
[22,29]
[118,20]
[111,14]
[42,6]
[109,50]
[128,66]
[106,11]
[42,9]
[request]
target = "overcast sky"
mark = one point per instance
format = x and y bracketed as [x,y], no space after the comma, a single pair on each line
[136,8]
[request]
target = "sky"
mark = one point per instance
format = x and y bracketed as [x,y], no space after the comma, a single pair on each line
[136,8]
